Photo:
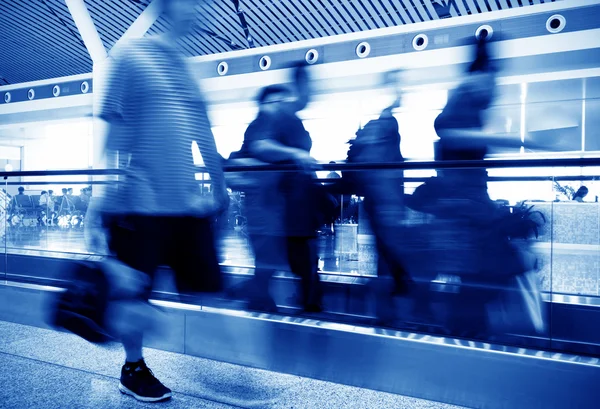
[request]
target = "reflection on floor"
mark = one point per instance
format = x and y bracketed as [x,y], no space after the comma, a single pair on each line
[41,368]
[234,248]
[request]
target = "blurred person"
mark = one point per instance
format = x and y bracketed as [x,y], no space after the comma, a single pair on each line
[581,193]
[278,136]
[383,190]
[460,124]
[333,189]
[475,239]
[156,214]
[265,206]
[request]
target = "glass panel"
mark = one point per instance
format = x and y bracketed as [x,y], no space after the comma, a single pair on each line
[592,87]
[504,120]
[592,125]
[559,90]
[575,238]
[48,215]
[439,249]
[575,264]
[555,125]
[508,95]
[4,212]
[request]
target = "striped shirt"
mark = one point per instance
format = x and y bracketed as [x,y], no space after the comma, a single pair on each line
[155,112]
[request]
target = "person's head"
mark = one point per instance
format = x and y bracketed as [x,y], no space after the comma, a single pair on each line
[483,71]
[301,84]
[271,99]
[50,192]
[581,193]
[64,191]
[181,15]
[392,84]
[70,190]
[483,61]
[44,193]
[21,190]
[485,65]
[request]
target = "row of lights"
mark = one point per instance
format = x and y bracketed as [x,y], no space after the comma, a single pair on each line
[85,87]
[554,24]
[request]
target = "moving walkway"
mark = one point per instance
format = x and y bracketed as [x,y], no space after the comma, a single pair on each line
[345,344]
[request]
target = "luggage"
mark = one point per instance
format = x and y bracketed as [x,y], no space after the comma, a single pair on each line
[519,309]
[81,309]
[377,142]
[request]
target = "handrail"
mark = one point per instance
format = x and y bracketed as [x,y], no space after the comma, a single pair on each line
[432,165]
[408,165]
[406,179]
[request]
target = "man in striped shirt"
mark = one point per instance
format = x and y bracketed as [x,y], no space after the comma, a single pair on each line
[156,215]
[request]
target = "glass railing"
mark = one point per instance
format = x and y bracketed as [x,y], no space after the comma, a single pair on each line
[437,247]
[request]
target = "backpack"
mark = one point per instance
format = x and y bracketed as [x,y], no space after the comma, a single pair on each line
[377,141]
[81,309]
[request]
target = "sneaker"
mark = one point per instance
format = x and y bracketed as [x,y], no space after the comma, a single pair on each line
[137,380]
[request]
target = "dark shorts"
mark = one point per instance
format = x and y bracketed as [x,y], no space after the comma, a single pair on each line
[185,244]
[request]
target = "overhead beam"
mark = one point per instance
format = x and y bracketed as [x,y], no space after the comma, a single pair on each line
[508,49]
[424,27]
[142,24]
[89,34]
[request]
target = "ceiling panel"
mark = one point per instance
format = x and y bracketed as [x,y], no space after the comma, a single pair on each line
[39,40]
[29,35]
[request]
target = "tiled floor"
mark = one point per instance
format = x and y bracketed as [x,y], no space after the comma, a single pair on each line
[40,368]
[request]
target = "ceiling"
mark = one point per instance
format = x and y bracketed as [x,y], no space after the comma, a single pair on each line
[39,39]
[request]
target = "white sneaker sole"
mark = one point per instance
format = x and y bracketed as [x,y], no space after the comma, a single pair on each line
[126,391]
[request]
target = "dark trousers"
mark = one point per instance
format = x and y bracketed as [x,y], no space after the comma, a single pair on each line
[184,243]
[273,253]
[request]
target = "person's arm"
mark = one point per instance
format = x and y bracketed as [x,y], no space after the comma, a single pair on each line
[113,122]
[212,159]
[263,144]
[269,150]
[112,125]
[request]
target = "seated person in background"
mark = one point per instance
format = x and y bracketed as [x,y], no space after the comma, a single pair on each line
[45,200]
[21,200]
[82,201]
[53,199]
[333,174]
[66,204]
[580,194]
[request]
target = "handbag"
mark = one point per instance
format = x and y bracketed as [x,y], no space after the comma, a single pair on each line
[81,308]
[520,308]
